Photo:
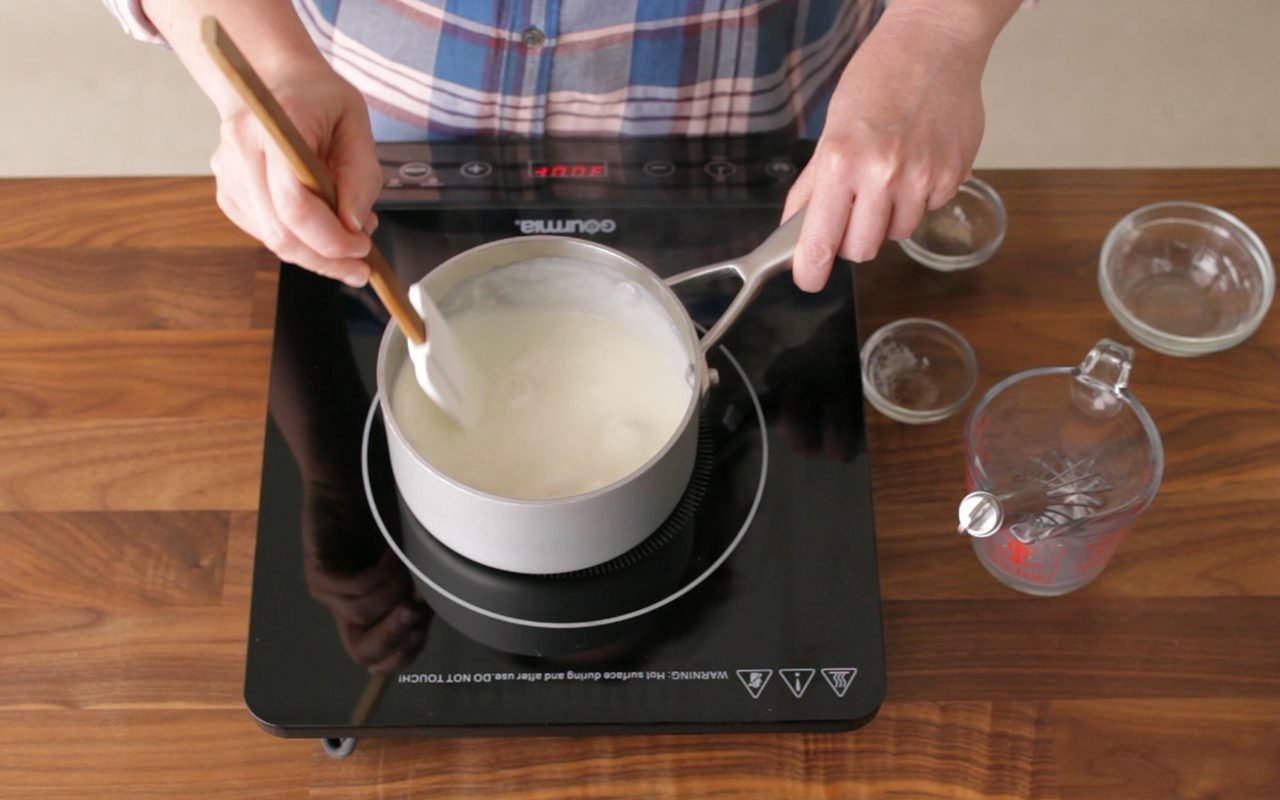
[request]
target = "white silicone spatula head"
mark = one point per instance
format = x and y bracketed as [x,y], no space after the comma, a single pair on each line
[439,364]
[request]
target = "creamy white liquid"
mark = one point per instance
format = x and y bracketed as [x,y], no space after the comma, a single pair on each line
[571,403]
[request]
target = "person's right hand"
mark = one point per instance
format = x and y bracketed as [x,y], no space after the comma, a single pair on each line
[258,191]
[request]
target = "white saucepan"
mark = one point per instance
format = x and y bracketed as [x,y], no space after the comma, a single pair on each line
[570,533]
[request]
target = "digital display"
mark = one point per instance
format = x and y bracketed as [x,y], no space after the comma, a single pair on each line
[568,169]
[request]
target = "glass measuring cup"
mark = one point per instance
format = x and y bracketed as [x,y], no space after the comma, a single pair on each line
[1059,463]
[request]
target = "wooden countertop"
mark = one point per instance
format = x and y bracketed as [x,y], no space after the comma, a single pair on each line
[135,328]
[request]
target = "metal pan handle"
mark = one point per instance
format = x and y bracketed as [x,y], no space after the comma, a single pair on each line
[774,255]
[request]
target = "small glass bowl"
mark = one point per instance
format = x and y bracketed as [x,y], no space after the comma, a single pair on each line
[961,234]
[1185,279]
[918,370]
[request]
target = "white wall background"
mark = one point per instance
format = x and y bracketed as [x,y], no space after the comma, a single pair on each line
[1072,83]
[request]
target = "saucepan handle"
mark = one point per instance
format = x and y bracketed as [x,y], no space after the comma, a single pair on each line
[774,255]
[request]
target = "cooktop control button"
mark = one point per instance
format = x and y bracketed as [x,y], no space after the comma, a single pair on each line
[780,169]
[414,170]
[659,169]
[720,169]
[476,169]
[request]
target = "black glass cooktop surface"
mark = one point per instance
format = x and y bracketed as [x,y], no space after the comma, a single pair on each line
[755,607]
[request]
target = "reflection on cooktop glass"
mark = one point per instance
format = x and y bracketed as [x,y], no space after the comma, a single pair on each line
[753,605]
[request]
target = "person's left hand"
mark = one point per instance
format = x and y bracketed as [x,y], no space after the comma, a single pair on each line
[902,131]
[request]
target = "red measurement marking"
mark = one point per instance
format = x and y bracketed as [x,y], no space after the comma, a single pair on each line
[1019,552]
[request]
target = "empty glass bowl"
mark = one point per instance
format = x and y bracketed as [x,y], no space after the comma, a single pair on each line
[918,370]
[961,234]
[1185,279]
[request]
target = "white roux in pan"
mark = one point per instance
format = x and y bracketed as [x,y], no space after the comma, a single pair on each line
[571,401]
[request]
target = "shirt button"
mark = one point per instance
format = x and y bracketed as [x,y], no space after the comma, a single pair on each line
[532,37]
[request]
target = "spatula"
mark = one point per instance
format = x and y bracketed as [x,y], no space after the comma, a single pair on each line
[437,363]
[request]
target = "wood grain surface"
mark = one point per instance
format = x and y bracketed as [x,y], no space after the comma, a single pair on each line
[135,327]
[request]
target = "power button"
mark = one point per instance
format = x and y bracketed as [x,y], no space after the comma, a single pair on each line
[720,169]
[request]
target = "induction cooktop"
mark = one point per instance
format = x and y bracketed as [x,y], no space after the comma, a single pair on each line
[754,607]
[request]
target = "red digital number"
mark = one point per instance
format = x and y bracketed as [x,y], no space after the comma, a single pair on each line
[568,170]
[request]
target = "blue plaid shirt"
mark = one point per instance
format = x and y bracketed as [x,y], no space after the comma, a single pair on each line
[432,69]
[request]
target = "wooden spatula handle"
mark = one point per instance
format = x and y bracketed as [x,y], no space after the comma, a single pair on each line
[310,170]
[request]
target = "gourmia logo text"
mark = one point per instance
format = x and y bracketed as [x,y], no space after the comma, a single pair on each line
[567,226]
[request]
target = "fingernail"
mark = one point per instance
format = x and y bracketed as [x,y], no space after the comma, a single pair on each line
[355,281]
[349,219]
[374,222]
